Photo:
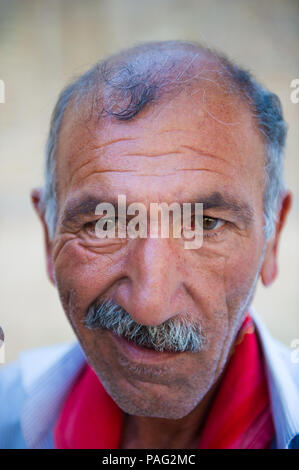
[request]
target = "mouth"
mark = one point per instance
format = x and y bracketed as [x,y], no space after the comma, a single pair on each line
[140,354]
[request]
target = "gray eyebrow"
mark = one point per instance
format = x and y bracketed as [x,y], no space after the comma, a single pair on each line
[228,202]
[85,206]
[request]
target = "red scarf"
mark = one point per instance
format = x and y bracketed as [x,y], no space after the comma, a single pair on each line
[239,417]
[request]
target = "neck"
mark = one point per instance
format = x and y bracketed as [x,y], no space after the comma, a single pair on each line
[140,432]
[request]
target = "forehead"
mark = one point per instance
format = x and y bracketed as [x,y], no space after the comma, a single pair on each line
[200,137]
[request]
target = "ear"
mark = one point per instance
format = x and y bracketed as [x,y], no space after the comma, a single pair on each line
[269,267]
[36,201]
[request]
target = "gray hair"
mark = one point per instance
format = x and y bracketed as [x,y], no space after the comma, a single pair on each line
[123,84]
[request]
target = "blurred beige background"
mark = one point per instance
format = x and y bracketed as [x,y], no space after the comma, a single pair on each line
[42,45]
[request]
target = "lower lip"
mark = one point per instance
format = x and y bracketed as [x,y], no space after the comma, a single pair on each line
[140,354]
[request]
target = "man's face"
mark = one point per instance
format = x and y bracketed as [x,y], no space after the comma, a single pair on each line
[184,151]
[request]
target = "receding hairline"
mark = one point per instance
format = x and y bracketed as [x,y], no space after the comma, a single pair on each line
[174,65]
[192,60]
[206,58]
[264,105]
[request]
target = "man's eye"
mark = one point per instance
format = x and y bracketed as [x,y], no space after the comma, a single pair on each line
[89,226]
[106,224]
[210,223]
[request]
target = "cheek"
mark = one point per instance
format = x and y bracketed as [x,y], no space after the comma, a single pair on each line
[241,275]
[81,276]
[222,283]
[242,268]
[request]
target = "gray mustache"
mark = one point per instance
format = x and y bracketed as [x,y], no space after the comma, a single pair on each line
[174,335]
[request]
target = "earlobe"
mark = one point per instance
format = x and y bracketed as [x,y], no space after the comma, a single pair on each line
[36,195]
[269,268]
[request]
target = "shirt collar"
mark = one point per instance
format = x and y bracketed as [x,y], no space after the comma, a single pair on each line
[47,376]
[282,387]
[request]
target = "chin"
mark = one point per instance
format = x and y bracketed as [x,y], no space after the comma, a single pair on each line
[151,399]
[156,407]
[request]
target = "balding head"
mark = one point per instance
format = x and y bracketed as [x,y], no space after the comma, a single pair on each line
[125,84]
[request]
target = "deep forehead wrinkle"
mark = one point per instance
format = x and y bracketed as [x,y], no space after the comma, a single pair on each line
[111,142]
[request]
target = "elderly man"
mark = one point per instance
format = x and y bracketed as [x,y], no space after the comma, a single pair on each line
[170,353]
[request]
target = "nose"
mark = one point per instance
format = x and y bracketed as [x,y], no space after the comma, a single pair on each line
[154,281]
